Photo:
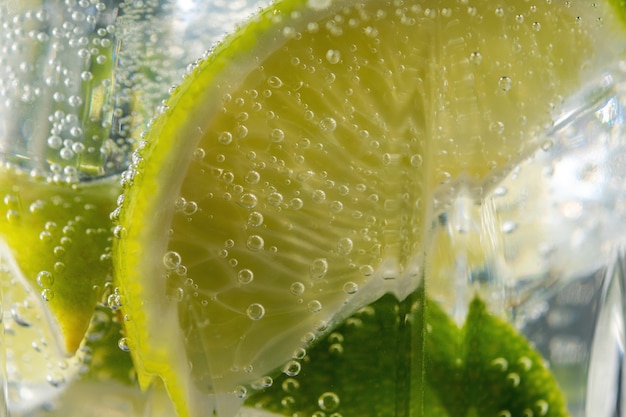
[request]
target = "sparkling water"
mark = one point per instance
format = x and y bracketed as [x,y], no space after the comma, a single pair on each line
[542,238]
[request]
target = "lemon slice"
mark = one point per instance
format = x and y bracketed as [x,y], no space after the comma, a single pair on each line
[56,239]
[290,178]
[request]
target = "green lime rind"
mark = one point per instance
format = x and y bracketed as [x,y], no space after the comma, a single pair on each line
[485,368]
[58,236]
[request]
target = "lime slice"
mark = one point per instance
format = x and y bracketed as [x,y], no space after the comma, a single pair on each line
[56,239]
[289,179]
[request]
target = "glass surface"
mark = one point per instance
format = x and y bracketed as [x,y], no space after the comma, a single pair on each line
[80,81]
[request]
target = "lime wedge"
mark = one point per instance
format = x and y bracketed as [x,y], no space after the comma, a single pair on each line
[289,179]
[57,239]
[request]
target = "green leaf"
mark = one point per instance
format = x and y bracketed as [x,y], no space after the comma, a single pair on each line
[398,358]
[506,376]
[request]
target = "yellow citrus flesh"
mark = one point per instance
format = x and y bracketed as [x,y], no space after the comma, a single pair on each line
[291,178]
[57,238]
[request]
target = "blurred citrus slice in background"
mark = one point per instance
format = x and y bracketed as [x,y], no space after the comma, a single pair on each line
[290,179]
[57,240]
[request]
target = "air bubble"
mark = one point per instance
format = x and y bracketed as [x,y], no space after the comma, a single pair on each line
[274,199]
[336,206]
[245,276]
[345,246]
[12,216]
[274,82]
[333,56]
[496,127]
[199,154]
[190,207]
[255,243]
[252,177]
[225,138]
[417,160]
[509,227]
[350,288]
[241,131]
[66,154]
[476,58]
[277,135]
[318,196]
[366,270]
[526,363]
[255,219]
[255,311]
[296,203]
[123,344]
[328,124]
[172,260]
[297,288]
[514,379]
[240,391]
[328,401]
[501,363]
[56,379]
[119,232]
[299,353]
[309,338]
[45,279]
[292,368]
[314,306]
[262,383]
[318,268]
[47,294]
[248,200]
[55,142]
[505,83]
[288,401]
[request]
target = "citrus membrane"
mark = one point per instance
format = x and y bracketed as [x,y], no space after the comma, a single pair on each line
[56,239]
[289,180]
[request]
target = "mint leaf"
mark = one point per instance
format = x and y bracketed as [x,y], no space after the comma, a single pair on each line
[364,367]
[487,368]
[507,377]
[410,358]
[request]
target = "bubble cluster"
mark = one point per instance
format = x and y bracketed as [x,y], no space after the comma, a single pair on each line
[73,131]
